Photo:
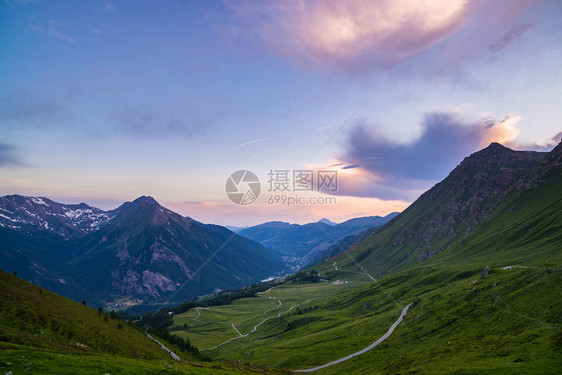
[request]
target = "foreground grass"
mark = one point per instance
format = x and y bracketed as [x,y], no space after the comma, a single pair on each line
[44,333]
[20,359]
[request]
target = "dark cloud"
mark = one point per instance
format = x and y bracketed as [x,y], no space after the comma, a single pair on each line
[393,170]
[9,156]
[512,35]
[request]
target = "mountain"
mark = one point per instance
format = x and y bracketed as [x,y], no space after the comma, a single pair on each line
[234,229]
[327,221]
[31,214]
[142,254]
[300,244]
[524,229]
[449,211]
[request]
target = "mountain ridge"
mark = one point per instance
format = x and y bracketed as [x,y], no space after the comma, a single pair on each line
[450,210]
[143,253]
[302,244]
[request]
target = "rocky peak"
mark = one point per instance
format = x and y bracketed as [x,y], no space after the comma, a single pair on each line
[146,200]
[472,191]
[327,221]
[32,214]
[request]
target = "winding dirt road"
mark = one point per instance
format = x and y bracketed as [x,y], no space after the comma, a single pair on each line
[384,337]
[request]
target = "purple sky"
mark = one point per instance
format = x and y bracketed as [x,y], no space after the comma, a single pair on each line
[105,101]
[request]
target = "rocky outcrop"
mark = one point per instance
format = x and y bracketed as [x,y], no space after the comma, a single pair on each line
[485,272]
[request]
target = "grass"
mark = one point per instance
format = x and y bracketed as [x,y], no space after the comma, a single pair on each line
[42,332]
[213,325]
[508,322]
[33,316]
[20,359]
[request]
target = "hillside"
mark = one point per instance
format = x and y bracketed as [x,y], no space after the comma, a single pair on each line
[41,332]
[35,317]
[447,212]
[143,254]
[527,228]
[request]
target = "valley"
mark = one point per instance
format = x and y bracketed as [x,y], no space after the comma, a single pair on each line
[335,187]
[484,300]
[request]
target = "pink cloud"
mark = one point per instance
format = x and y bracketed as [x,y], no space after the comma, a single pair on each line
[346,31]
[358,35]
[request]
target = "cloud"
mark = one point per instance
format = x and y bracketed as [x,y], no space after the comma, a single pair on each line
[513,34]
[28,109]
[19,181]
[392,170]
[9,156]
[154,123]
[58,109]
[193,202]
[52,29]
[344,32]
[356,37]
[545,146]
[109,8]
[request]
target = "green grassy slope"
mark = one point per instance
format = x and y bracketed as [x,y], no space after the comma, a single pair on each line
[33,316]
[508,322]
[42,332]
[445,213]
[527,229]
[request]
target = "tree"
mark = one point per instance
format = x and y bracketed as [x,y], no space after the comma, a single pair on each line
[100,311]
[84,302]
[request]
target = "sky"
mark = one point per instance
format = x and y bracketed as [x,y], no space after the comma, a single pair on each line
[102,102]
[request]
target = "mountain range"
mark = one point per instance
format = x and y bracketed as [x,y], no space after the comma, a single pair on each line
[443,216]
[139,253]
[302,245]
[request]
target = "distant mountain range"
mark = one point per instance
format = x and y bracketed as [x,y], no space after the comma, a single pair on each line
[144,254]
[139,253]
[303,244]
